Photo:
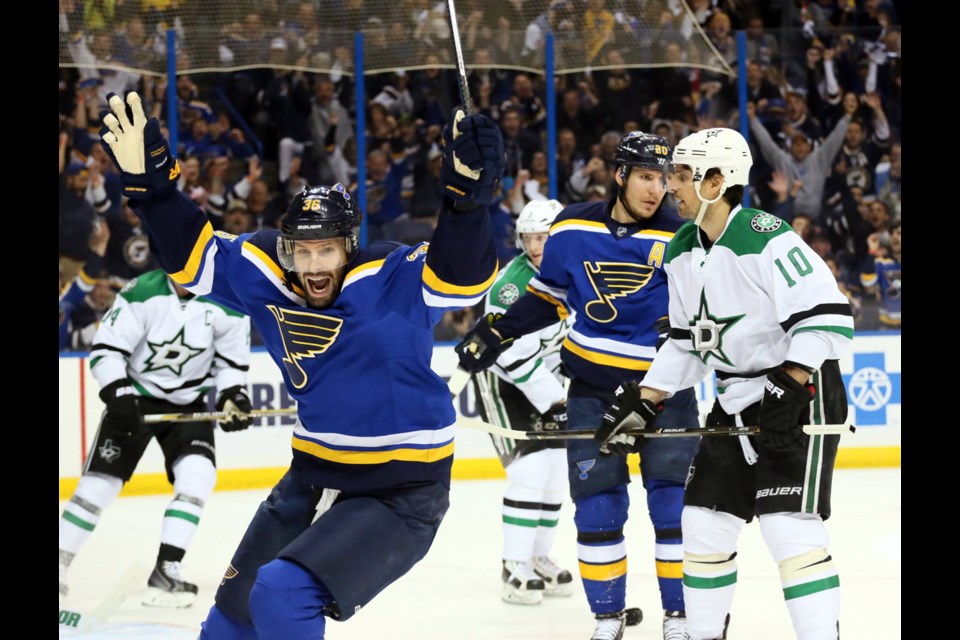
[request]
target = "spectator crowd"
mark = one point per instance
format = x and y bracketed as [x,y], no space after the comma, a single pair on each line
[823,113]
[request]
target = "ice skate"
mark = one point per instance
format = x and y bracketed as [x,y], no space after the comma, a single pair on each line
[675,626]
[610,626]
[558,581]
[521,584]
[166,589]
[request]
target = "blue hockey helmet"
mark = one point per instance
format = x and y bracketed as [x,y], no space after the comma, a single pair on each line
[320,213]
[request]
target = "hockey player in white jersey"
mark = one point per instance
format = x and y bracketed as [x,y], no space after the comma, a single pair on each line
[752,302]
[159,349]
[524,390]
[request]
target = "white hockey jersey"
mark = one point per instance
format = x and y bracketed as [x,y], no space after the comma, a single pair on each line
[171,348]
[757,297]
[533,360]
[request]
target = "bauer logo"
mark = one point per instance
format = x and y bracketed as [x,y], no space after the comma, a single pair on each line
[778,491]
[871,389]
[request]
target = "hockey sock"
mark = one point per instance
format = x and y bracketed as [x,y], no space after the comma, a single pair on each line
[665,503]
[95,492]
[709,569]
[601,548]
[194,478]
[554,491]
[811,585]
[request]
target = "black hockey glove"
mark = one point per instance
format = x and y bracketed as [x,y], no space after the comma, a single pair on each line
[123,415]
[481,347]
[663,329]
[554,418]
[473,161]
[627,411]
[234,401]
[137,148]
[783,401]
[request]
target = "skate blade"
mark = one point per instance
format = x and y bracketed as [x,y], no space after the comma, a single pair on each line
[559,591]
[513,596]
[165,600]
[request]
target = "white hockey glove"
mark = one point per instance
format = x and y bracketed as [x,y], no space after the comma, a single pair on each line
[138,149]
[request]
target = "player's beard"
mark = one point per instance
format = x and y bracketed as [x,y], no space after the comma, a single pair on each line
[320,289]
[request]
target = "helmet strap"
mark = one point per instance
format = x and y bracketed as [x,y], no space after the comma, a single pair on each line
[705,203]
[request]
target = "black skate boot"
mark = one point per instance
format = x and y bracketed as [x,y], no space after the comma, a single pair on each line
[166,589]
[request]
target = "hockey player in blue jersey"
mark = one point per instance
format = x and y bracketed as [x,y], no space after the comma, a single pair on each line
[351,329]
[604,261]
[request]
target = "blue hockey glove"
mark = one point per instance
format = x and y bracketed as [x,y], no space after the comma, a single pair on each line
[123,415]
[628,410]
[554,418]
[784,399]
[138,149]
[235,402]
[473,161]
[481,347]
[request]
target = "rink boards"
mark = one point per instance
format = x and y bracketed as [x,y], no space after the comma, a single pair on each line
[256,457]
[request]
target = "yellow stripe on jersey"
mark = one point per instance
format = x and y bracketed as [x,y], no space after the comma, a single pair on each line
[359,270]
[606,359]
[434,282]
[372,457]
[87,278]
[666,235]
[273,266]
[192,268]
[573,222]
[561,310]
[603,571]
[669,569]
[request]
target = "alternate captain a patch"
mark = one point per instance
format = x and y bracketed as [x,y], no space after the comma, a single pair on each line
[305,335]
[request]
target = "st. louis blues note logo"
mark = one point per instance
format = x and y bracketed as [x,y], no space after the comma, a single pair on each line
[611,280]
[585,466]
[305,335]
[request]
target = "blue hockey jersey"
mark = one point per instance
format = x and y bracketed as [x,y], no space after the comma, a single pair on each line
[609,273]
[372,414]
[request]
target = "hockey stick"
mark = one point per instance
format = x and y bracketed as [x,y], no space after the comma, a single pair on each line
[201,416]
[457,382]
[135,575]
[461,68]
[663,432]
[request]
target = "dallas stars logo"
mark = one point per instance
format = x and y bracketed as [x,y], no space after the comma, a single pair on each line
[173,354]
[707,333]
[765,223]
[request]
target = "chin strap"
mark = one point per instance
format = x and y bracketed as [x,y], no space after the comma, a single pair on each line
[706,203]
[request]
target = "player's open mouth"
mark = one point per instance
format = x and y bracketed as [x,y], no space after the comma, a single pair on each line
[318,286]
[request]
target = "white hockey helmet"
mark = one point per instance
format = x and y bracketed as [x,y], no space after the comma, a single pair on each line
[536,217]
[721,148]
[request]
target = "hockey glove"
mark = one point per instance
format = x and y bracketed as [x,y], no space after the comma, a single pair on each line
[473,161]
[627,410]
[481,347]
[554,418]
[663,331]
[138,149]
[235,402]
[123,415]
[784,399]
